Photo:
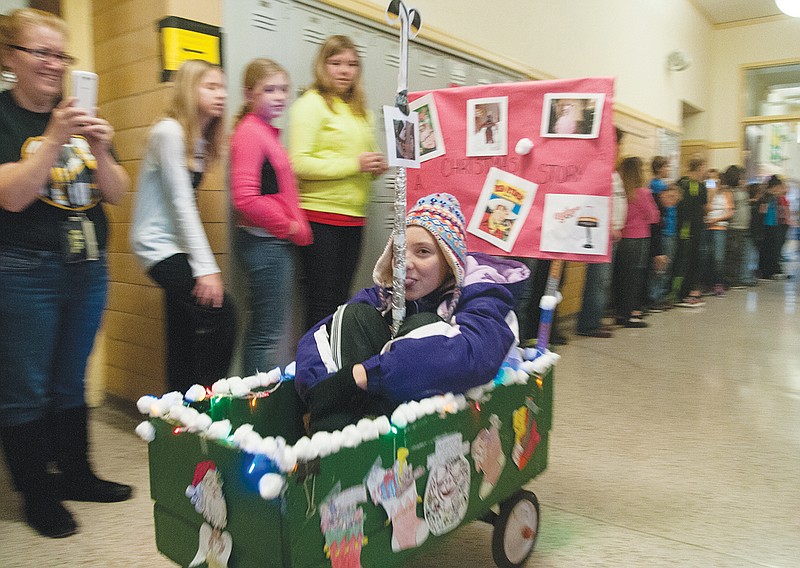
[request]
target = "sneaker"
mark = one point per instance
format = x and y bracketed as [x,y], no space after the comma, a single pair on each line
[719,290]
[780,276]
[635,322]
[691,302]
[656,309]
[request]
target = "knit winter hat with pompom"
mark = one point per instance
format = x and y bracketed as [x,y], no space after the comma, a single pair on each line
[440,214]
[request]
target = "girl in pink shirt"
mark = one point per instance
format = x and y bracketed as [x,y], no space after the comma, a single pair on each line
[630,264]
[268,215]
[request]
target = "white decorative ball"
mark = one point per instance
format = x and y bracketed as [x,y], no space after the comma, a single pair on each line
[219,430]
[145,403]
[195,393]
[523,146]
[270,485]
[399,417]
[287,459]
[301,448]
[383,425]
[367,429]
[251,382]
[220,387]
[336,441]
[146,431]
[203,422]
[351,437]
[428,406]
[241,433]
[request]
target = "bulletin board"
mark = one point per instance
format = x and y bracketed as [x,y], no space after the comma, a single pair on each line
[531,164]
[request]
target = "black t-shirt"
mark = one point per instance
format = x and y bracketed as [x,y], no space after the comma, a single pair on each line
[70,189]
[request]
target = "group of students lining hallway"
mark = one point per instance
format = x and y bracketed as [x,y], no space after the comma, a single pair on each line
[677,445]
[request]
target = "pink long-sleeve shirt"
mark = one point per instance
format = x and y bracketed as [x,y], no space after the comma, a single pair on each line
[642,212]
[256,142]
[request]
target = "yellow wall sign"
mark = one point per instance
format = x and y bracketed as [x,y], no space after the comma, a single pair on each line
[183,39]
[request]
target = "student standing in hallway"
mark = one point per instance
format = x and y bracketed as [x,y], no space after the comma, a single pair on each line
[334,155]
[691,224]
[168,235]
[269,218]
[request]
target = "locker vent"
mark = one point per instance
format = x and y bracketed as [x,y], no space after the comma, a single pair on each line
[265,21]
[429,70]
[392,60]
[314,36]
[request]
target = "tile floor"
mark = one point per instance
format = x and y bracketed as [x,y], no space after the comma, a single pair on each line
[676,445]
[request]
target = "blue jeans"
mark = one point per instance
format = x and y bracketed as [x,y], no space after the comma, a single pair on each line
[660,283]
[715,243]
[49,316]
[268,265]
[595,295]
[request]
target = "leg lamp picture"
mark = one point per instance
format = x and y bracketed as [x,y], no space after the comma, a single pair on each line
[590,222]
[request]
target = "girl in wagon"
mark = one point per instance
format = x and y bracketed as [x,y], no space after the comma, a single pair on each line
[459,326]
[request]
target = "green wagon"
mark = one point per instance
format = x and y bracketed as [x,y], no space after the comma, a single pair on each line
[372,499]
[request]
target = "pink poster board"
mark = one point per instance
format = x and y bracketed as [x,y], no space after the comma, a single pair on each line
[503,191]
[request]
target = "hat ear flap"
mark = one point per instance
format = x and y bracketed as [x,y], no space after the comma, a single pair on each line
[382,273]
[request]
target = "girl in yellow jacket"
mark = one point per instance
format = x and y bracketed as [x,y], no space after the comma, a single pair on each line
[334,155]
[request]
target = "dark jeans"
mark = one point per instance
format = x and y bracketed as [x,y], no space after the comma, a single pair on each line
[199,339]
[770,251]
[735,256]
[527,308]
[329,266]
[687,266]
[49,314]
[630,266]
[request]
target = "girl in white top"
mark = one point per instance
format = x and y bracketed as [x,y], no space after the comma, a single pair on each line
[719,210]
[168,236]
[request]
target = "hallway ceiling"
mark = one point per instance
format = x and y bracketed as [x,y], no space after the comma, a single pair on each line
[727,11]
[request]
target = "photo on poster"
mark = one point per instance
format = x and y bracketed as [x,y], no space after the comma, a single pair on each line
[487,126]
[577,224]
[402,133]
[572,115]
[431,142]
[502,208]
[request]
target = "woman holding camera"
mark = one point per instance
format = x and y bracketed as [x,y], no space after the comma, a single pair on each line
[56,170]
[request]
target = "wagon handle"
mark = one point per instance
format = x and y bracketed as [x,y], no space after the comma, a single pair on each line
[410,23]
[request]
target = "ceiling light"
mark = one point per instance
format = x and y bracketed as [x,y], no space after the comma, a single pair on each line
[789,7]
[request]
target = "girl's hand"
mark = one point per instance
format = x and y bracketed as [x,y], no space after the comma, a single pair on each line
[372,163]
[360,376]
[209,290]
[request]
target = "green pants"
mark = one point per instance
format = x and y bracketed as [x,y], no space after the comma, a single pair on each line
[356,332]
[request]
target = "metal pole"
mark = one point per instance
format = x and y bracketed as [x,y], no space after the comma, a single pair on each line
[397,10]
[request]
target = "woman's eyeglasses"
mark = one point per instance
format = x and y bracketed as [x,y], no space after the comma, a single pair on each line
[45,54]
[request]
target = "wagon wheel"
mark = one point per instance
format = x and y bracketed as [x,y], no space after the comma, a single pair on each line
[515,530]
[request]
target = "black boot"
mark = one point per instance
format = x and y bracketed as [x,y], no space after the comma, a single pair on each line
[25,449]
[70,430]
